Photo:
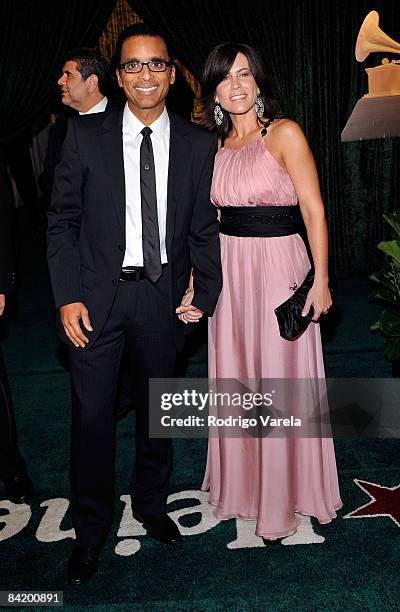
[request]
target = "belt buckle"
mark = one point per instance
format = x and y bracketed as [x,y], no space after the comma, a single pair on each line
[131,275]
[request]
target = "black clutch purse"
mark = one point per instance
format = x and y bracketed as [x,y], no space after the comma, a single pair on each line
[290,320]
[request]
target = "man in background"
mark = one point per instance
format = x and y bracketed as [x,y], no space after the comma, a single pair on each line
[84,85]
[17,483]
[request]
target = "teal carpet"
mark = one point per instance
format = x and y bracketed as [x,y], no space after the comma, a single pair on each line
[350,564]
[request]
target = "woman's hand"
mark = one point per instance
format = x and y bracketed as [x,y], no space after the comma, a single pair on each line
[319,297]
[186,312]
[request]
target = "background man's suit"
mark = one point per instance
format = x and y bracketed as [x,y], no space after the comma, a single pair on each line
[85,252]
[57,133]
[11,462]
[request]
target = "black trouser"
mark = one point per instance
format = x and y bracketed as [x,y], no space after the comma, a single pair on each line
[10,460]
[139,324]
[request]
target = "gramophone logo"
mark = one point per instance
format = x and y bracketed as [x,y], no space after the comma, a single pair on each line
[377,114]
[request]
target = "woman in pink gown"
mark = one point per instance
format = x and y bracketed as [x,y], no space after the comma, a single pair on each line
[264,161]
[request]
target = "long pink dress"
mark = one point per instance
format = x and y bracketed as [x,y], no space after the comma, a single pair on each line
[267,479]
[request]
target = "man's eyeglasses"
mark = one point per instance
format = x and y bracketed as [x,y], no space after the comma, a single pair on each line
[155,65]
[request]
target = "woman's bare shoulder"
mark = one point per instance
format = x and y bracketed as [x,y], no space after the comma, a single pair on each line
[285,127]
[287,136]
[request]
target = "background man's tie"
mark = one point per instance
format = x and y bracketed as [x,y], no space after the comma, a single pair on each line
[150,233]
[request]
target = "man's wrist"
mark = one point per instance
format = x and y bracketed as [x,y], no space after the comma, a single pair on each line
[197,308]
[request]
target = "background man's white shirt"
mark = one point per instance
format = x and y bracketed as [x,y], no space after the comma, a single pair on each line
[100,107]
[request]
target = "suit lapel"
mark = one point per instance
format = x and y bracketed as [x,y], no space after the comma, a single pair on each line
[179,154]
[112,148]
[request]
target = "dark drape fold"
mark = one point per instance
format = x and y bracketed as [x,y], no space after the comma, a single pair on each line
[34,36]
[308,49]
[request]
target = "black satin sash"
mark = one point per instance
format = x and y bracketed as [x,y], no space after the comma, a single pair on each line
[260,221]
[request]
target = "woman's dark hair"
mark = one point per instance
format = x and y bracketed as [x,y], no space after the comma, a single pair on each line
[217,66]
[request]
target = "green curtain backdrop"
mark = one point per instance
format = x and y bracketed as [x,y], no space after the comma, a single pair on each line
[308,48]
[34,36]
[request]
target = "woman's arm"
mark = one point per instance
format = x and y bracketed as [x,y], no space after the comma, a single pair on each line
[300,165]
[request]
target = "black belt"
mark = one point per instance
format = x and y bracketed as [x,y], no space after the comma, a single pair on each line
[260,221]
[134,273]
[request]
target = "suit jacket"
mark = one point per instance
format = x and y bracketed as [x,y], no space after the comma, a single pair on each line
[86,235]
[56,139]
[7,211]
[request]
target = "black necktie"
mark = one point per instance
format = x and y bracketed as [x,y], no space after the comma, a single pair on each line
[150,233]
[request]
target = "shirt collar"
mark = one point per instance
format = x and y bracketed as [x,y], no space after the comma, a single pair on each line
[135,126]
[100,107]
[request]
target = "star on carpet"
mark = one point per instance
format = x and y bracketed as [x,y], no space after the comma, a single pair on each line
[385,501]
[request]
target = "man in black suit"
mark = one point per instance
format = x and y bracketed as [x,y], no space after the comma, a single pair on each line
[17,483]
[84,84]
[130,217]
[84,88]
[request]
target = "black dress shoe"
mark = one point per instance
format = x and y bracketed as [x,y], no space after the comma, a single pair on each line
[82,564]
[19,487]
[161,528]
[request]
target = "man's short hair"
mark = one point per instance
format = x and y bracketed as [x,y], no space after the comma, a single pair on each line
[136,29]
[90,62]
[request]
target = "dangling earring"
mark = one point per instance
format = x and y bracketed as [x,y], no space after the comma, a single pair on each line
[218,114]
[259,106]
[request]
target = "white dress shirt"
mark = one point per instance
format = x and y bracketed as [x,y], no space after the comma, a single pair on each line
[132,139]
[100,107]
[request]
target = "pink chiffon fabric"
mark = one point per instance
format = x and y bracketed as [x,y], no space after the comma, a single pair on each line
[269,479]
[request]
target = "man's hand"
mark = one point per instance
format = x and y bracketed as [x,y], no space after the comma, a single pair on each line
[2,303]
[186,312]
[70,315]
